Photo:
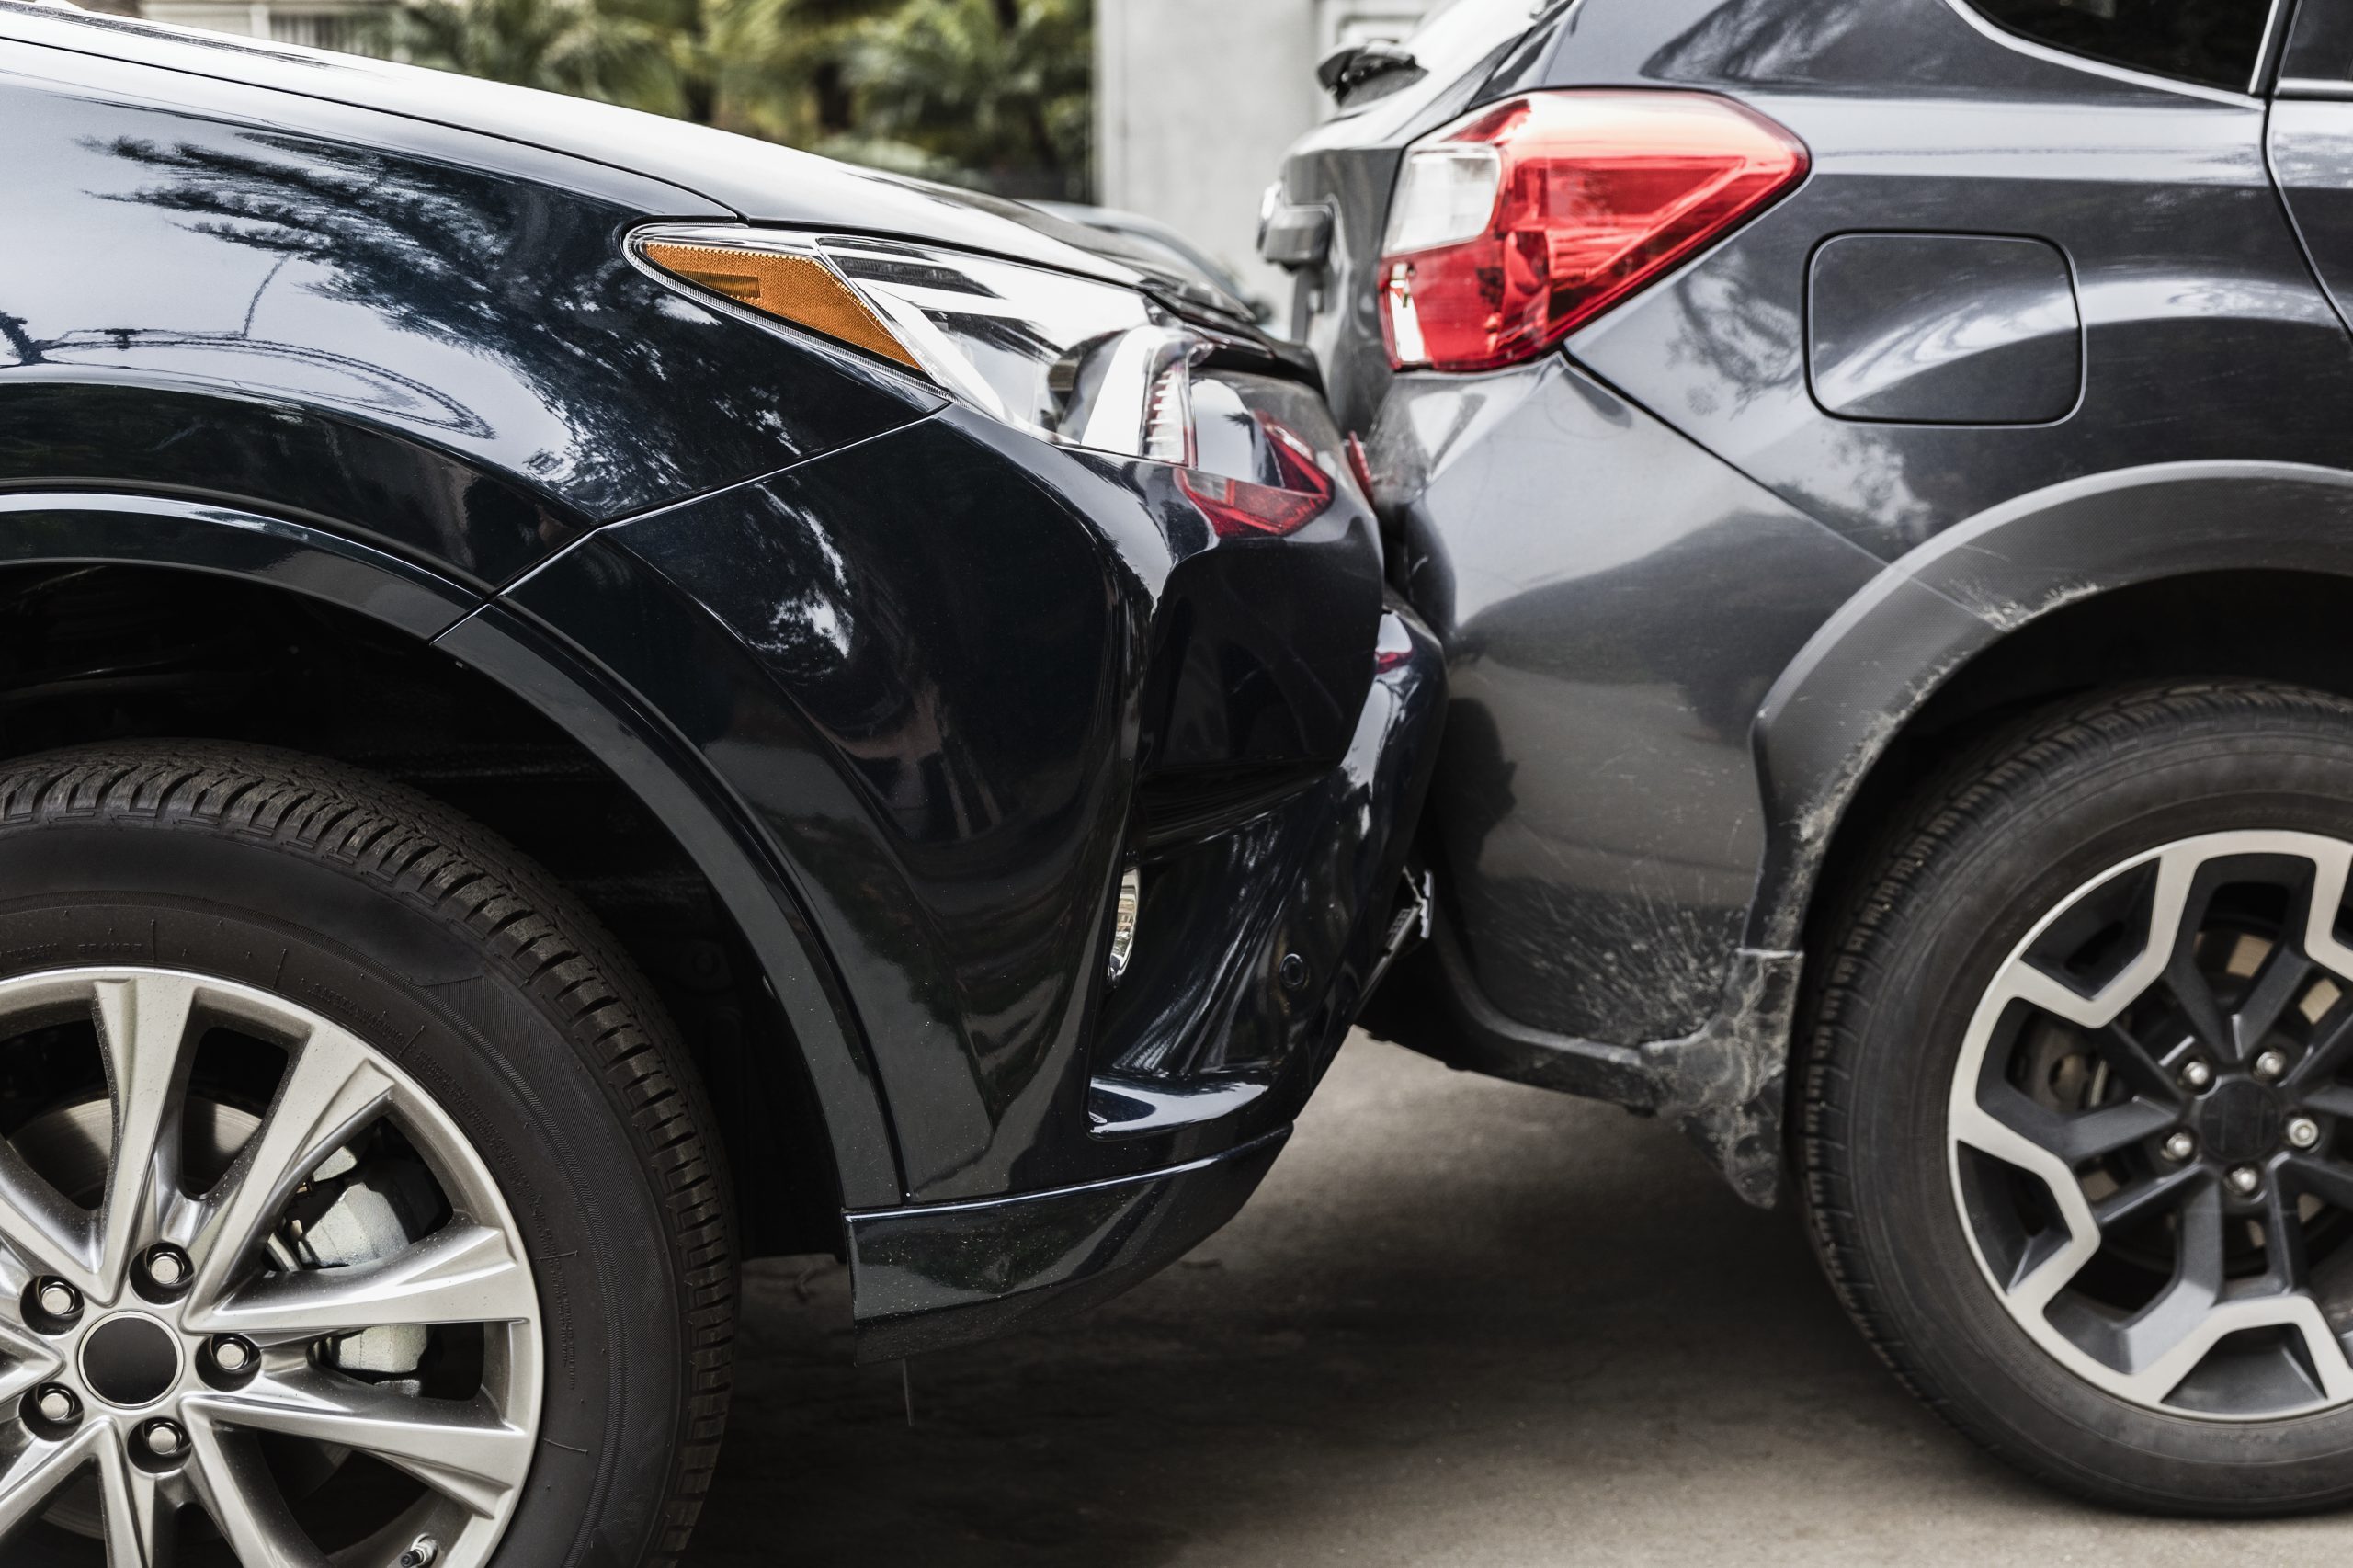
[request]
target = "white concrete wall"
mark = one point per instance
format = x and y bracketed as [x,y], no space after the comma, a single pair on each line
[1197,99]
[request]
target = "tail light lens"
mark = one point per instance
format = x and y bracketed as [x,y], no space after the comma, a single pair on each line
[1240,508]
[1527,218]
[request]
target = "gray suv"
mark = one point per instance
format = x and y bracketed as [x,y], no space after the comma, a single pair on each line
[1883,477]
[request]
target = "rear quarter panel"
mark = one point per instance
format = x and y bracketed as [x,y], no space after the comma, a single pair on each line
[1615,608]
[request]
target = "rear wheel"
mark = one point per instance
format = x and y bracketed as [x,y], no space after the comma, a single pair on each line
[352,1206]
[2078,1120]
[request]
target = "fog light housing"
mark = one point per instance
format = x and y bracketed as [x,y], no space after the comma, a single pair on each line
[1123,922]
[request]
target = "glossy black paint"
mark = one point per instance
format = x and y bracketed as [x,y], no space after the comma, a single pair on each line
[293,309]
[1051,1254]
[597,146]
[1255,949]
[906,688]
[638,736]
[78,527]
[1266,937]
[919,588]
[1696,575]
[66,526]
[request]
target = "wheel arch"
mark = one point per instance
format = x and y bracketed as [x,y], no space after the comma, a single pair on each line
[492,648]
[2245,566]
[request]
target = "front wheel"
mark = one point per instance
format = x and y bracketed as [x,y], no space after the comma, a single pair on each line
[352,1204]
[2078,1100]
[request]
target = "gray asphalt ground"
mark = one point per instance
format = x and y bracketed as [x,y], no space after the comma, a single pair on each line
[1464,1322]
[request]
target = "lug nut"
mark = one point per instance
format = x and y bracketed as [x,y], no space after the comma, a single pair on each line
[232,1355]
[2245,1180]
[164,1440]
[2302,1132]
[2180,1145]
[2196,1075]
[167,1266]
[2272,1066]
[57,1405]
[58,1299]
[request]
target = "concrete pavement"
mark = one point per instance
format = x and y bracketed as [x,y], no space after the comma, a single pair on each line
[1464,1322]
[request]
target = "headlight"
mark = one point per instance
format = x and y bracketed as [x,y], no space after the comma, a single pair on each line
[1085,363]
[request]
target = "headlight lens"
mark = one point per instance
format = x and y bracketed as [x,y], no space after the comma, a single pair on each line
[1083,363]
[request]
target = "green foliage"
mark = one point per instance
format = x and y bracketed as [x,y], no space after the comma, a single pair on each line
[557,44]
[999,88]
[993,93]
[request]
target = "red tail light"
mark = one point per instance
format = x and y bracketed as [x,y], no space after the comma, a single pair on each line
[1239,508]
[1525,220]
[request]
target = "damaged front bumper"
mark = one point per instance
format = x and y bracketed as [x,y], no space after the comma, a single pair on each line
[1271,934]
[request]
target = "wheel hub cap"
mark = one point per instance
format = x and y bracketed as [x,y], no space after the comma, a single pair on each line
[130,1361]
[2242,1120]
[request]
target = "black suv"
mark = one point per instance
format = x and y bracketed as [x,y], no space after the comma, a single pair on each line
[582,698]
[1882,476]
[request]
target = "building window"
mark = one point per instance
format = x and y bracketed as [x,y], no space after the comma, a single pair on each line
[349,31]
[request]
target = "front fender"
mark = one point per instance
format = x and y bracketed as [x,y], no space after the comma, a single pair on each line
[428,335]
[548,674]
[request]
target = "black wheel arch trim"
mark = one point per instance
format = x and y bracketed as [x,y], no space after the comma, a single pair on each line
[537,665]
[78,527]
[1831,715]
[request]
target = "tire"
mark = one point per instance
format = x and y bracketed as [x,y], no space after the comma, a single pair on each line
[514,1057]
[1932,1037]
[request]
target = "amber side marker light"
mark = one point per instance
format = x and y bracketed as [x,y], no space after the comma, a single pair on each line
[797,289]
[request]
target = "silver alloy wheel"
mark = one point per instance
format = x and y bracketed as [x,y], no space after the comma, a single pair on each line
[2148,1135]
[136,1351]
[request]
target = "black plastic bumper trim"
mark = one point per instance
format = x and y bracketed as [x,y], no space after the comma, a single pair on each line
[946,1274]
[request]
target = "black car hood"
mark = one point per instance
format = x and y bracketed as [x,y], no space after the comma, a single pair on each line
[759,181]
